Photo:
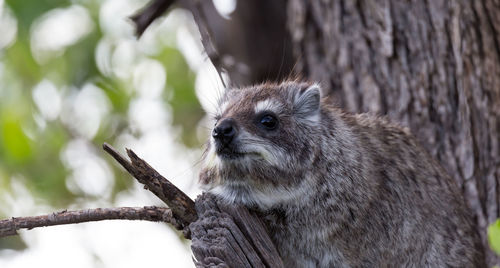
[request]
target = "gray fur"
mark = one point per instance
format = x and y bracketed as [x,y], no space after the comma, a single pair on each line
[307,102]
[341,190]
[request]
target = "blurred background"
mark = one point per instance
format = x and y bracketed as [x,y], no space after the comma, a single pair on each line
[72,76]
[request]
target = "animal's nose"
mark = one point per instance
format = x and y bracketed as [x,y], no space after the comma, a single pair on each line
[224,131]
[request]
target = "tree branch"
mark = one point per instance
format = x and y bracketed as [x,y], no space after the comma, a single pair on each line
[224,234]
[228,235]
[182,206]
[10,226]
[144,17]
[196,8]
[155,8]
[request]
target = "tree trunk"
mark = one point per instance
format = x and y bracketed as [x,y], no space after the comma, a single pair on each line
[433,66]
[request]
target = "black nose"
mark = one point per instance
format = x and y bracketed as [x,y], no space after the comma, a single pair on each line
[225,131]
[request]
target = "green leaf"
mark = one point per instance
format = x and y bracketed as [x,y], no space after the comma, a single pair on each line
[494,236]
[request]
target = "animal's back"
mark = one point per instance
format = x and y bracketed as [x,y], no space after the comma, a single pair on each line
[405,211]
[337,190]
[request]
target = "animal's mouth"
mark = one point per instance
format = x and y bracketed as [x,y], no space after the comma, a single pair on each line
[225,154]
[230,154]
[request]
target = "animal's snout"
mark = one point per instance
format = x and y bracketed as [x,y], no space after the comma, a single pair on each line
[225,131]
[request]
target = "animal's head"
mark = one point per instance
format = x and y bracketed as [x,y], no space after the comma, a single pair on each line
[263,143]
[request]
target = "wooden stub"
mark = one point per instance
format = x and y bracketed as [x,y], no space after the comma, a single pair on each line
[181,205]
[230,236]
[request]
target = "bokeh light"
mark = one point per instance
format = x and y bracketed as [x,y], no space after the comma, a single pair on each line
[72,76]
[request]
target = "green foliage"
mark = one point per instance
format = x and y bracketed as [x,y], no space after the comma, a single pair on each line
[21,63]
[494,236]
[187,110]
[27,11]
[16,145]
[31,145]
[34,144]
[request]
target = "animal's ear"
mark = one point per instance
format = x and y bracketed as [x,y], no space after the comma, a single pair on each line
[307,102]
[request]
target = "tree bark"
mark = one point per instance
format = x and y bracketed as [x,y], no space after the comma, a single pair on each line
[433,66]
[230,236]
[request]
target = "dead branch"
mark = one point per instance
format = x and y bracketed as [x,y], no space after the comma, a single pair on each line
[144,17]
[10,226]
[230,235]
[155,8]
[180,214]
[223,234]
[227,235]
[181,205]
[196,8]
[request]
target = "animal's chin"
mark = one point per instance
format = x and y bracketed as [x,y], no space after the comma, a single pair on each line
[231,155]
[236,193]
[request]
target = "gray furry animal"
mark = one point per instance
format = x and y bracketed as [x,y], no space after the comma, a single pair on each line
[334,189]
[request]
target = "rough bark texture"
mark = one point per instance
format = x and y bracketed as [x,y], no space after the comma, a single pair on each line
[228,236]
[433,66]
[181,205]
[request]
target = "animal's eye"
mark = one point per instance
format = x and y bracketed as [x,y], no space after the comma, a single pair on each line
[269,122]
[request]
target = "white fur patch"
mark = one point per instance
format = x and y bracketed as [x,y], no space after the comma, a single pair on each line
[233,192]
[211,160]
[268,105]
[245,193]
[275,195]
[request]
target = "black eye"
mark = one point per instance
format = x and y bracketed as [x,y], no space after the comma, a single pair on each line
[269,122]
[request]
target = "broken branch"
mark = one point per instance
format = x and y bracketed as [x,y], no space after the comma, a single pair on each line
[144,17]
[181,205]
[155,8]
